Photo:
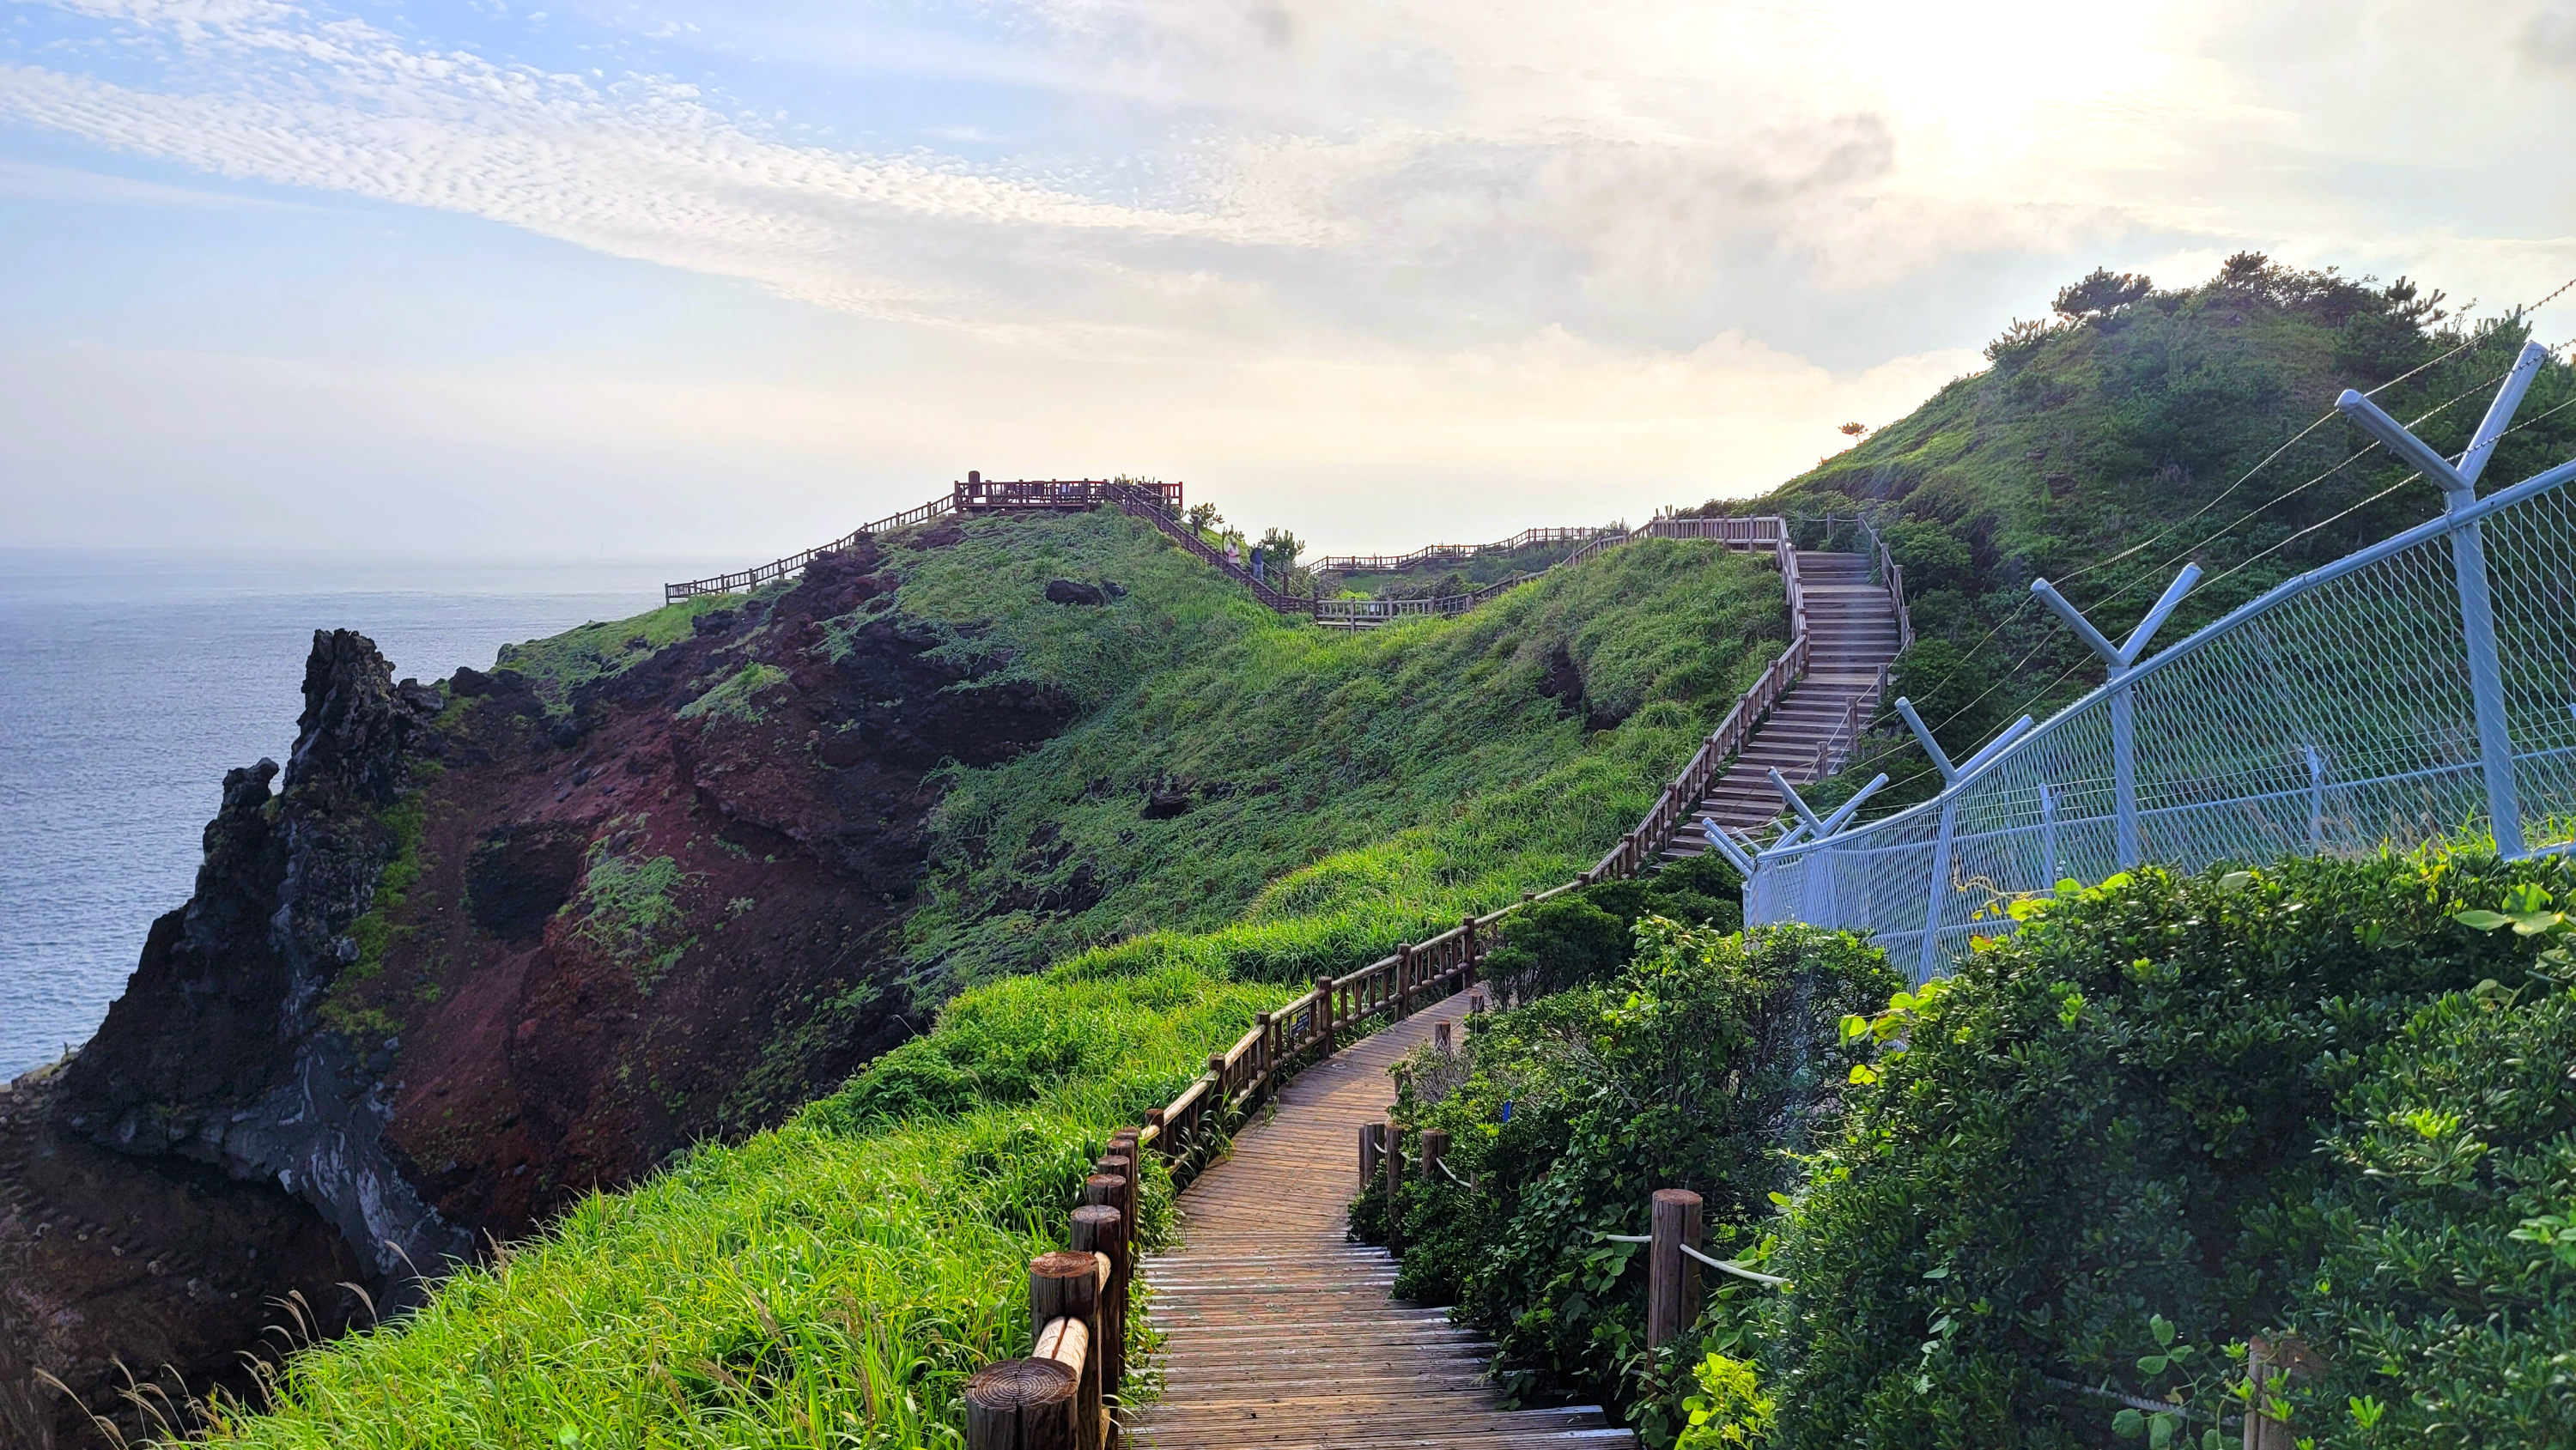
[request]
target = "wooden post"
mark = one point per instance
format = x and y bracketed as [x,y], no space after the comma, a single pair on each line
[2264,1358]
[1156,1119]
[1440,1037]
[1372,1148]
[1216,1069]
[1404,980]
[1266,1059]
[1435,1146]
[1066,1285]
[1099,1228]
[1021,1404]
[1467,977]
[1672,1277]
[1394,1186]
[1475,1004]
[1123,1142]
[1121,1167]
[1324,1009]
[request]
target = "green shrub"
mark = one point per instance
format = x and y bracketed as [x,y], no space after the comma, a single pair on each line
[2186,1111]
[1586,936]
[1694,1068]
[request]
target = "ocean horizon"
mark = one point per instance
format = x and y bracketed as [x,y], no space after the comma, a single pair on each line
[132,679]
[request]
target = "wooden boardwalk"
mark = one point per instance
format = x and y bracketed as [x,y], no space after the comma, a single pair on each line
[1284,1335]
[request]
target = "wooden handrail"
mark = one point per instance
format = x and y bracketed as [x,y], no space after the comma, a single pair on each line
[753,578]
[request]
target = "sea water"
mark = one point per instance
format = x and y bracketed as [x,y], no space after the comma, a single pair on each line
[131,680]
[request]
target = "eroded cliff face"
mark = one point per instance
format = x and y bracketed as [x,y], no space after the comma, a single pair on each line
[476,951]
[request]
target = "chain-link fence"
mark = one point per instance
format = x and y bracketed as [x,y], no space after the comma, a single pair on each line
[2424,687]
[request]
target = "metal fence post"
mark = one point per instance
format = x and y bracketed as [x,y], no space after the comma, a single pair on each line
[2486,683]
[2048,837]
[2316,799]
[1938,894]
[2122,658]
[2459,485]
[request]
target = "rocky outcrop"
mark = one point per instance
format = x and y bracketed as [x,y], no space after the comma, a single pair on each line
[216,1051]
[478,951]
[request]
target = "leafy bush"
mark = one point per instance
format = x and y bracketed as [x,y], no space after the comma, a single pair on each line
[2185,1111]
[1694,1068]
[1586,936]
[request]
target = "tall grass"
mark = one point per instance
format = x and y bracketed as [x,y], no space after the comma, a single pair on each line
[832,1282]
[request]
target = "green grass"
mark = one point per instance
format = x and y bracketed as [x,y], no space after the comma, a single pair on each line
[558,663]
[1349,790]
[833,1281]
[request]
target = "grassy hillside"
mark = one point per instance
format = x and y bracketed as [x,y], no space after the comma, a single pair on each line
[2102,450]
[1242,801]
[1281,799]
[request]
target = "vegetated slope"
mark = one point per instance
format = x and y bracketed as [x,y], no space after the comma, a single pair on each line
[2102,450]
[844,1273]
[1295,800]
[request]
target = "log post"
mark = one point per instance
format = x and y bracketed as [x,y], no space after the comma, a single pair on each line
[1117,1165]
[1099,1228]
[1440,1037]
[1066,1285]
[1476,1004]
[1435,1146]
[1124,1142]
[1158,1120]
[1268,1059]
[1404,980]
[2287,1355]
[1325,1018]
[1394,1180]
[1372,1149]
[1021,1404]
[1467,976]
[1672,1277]
[1216,1069]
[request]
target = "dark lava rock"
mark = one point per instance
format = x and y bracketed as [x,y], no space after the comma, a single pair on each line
[522,874]
[1067,591]
[1162,805]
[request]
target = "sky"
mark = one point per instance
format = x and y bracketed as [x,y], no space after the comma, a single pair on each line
[662,277]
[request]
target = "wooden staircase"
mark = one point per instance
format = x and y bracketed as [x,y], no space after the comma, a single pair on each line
[1853,637]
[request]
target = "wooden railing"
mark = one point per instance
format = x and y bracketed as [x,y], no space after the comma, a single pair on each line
[1164,514]
[1749,533]
[1451,553]
[979,494]
[1639,848]
[753,578]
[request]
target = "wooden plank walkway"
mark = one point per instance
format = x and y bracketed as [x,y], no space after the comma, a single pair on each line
[1284,1335]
